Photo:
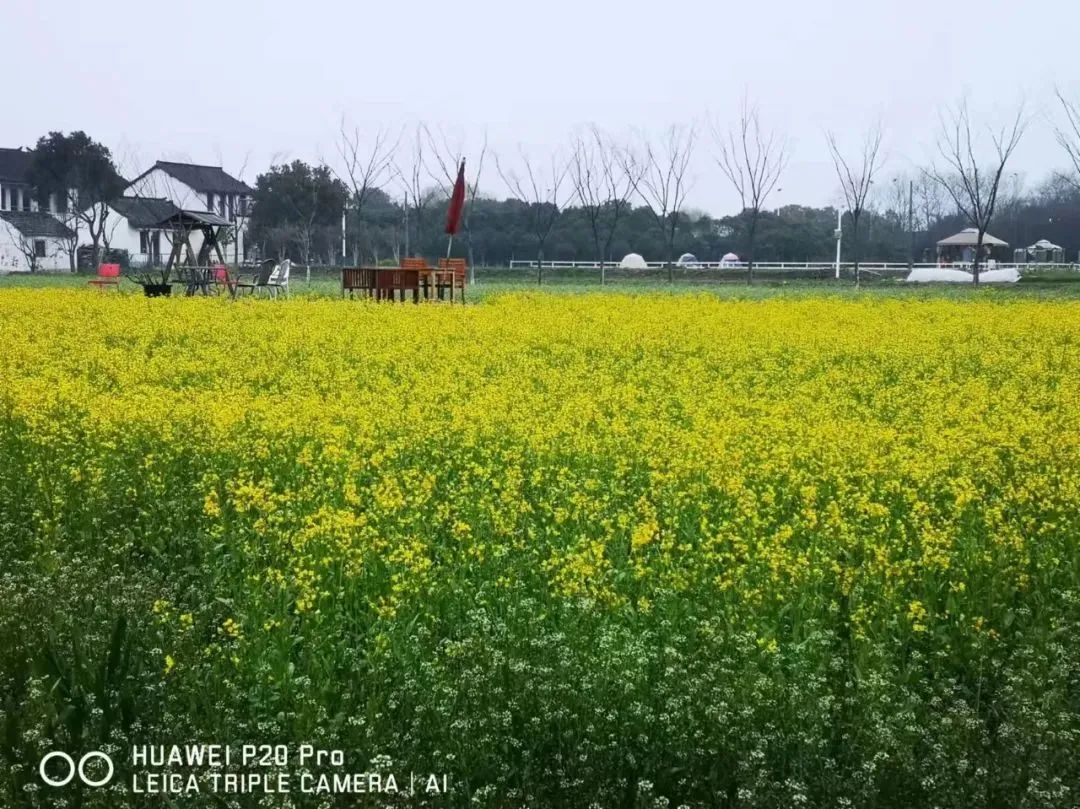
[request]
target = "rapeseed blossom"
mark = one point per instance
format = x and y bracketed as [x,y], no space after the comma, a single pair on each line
[660,531]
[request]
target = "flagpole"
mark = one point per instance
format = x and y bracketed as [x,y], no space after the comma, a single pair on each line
[449,245]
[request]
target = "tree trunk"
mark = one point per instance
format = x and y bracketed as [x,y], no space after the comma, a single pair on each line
[750,248]
[540,264]
[855,246]
[668,259]
[977,257]
[469,252]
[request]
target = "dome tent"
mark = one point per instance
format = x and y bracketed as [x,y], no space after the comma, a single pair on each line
[1043,251]
[633,261]
[687,260]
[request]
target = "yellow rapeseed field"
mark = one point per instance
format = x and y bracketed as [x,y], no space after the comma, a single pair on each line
[812,548]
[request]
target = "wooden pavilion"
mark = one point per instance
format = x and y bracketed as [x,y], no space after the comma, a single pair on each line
[183,224]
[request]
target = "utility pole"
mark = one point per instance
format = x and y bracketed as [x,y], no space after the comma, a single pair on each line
[343,254]
[911,223]
[839,236]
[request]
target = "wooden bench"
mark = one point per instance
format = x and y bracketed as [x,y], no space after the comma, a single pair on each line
[389,281]
[357,279]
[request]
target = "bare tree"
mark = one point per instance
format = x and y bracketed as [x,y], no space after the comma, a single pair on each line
[73,223]
[856,179]
[659,179]
[929,203]
[232,236]
[366,168]
[1068,134]
[601,188]
[411,179]
[971,180]
[543,192]
[26,245]
[447,158]
[752,160]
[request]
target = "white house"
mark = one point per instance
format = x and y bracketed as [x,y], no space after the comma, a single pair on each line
[134,224]
[16,193]
[33,241]
[192,187]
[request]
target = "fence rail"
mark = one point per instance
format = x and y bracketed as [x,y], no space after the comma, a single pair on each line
[782,266]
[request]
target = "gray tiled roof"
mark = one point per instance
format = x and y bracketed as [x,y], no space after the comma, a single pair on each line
[15,164]
[144,212]
[202,178]
[37,224]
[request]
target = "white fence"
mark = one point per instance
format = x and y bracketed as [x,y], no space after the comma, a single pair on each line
[846,267]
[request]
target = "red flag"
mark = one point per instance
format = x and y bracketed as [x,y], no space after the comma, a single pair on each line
[457,203]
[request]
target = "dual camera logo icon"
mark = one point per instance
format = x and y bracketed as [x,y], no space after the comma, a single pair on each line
[73,768]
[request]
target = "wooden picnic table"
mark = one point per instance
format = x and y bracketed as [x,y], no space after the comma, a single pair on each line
[389,283]
[194,279]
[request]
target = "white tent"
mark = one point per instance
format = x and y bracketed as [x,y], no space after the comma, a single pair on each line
[633,261]
[687,260]
[729,258]
[1042,252]
[1043,244]
[969,237]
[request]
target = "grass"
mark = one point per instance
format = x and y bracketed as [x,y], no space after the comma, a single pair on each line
[495,281]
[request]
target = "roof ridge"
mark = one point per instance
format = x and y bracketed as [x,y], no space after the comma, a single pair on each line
[193,165]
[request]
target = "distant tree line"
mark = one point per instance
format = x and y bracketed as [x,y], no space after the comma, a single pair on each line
[502,230]
[602,198]
[385,196]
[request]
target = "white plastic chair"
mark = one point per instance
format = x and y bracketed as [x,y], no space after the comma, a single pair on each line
[279,278]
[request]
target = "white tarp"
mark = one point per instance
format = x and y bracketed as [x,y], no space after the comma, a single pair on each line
[1009,276]
[941,275]
[633,261]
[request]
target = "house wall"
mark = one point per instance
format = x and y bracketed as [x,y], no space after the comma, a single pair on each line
[159,183]
[16,197]
[121,235]
[12,259]
[20,197]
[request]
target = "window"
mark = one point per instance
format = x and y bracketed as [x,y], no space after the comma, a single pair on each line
[39,248]
[26,200]
[150,244]
[232,207]
[210,202]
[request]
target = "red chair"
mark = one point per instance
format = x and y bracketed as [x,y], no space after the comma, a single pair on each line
[222,279]
[108,275]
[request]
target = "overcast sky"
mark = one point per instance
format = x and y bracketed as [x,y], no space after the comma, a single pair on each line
[243,81]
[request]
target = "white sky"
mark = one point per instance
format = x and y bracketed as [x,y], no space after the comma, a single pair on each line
[263,80]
